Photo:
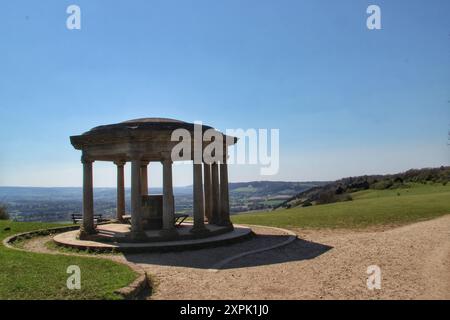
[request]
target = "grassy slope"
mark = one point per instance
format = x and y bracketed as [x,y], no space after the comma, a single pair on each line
[370,207]
[25,275]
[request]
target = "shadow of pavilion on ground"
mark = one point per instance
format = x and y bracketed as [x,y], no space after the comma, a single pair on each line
[209,257]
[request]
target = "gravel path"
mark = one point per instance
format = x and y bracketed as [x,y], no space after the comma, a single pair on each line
[414,261]
[323,264]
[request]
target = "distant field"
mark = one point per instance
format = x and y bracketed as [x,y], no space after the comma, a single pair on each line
[369,208]
[409,189]
[57,204]
[25,275]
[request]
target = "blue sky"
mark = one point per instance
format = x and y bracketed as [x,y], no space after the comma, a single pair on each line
[347,100]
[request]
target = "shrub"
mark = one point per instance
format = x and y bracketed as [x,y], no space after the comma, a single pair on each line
[327,197]
[397,186]
[347,197]
[307,203]
[339,190]
[383,184]
[398,180]
[3,213]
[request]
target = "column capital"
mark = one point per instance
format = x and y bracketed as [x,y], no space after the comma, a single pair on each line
[144,163]
[166,156]
[120,163]
[166,161]
[86,159]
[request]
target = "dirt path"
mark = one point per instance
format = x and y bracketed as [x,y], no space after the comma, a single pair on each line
[414,262]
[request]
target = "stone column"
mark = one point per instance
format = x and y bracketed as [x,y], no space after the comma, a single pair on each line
[136,200]
[144,178]
[120,210]
[199,217]
[87,227]
[215,217]
[168,200]
[224,196]
[208,191]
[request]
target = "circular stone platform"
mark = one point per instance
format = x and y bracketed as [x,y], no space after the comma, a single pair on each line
[113,237]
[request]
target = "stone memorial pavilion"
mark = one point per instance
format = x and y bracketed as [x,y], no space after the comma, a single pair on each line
[140,143]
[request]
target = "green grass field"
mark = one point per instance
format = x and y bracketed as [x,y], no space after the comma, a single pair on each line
[25,275]
[369,208]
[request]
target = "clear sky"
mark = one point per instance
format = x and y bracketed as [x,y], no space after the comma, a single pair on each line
[347,100]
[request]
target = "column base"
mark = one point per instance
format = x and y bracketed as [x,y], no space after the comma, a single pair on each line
[199,230]
[121,220]
[138,235]
[226,223]
[169,233]
[86,234]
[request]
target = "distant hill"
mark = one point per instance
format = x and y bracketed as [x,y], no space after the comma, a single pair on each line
[57,204]
[384,208]
[341,190]
[269,188]
[265,195]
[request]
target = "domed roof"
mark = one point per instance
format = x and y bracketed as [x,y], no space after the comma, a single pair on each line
[144,124]
[154,120]
[144,129]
